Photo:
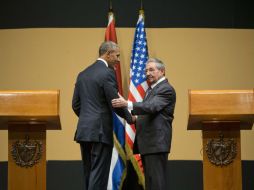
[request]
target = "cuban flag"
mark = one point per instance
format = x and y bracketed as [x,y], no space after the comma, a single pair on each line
[118,162]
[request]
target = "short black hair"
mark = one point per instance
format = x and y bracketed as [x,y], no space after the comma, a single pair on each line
[107,46]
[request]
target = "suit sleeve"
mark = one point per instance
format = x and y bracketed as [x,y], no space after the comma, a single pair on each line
[111,92]
[76,99]
[158,102]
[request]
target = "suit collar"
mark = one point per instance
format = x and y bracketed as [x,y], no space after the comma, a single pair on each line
[160,80]
[160,83]
[105,62]
[156,86]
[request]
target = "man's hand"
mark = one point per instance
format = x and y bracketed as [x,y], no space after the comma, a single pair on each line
[119,102]
[134,118]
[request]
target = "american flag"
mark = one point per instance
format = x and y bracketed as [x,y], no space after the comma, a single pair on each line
[138,87]
[118,160]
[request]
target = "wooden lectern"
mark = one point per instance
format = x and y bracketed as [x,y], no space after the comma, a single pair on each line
[221,114]
[27,115]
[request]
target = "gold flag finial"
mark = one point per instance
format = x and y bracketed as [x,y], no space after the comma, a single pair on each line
[141,11]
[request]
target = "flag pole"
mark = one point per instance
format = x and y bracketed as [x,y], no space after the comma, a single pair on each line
[140,89]
[110,6]
[141,11]
[118,169]
[141,7]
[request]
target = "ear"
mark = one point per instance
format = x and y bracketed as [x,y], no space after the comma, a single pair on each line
[163,72]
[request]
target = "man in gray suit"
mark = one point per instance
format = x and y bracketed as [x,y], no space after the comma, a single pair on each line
[154,124]
[94,89]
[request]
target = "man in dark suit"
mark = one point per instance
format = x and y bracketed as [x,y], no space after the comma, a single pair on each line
[153,125]
[94,89]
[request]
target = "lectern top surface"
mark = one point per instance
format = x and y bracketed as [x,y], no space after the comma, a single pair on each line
[221,105]
[33,106]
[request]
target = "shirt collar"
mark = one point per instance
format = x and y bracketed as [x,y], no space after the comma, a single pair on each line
[160,80]
[100,59]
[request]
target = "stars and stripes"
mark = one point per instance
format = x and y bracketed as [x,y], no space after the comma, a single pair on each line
[139,54]
[138,86]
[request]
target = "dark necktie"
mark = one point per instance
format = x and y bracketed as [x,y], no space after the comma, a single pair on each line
[148,91]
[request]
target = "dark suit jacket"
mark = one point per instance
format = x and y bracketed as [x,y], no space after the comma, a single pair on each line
[95,88]
[155,116]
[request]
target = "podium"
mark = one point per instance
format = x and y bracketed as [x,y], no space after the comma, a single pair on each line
[27,115]
[221,114]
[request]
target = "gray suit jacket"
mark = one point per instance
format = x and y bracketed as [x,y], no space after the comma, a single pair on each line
[95,88]
[154,123]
